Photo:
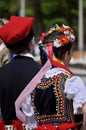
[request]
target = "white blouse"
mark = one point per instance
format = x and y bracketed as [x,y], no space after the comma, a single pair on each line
[75,89]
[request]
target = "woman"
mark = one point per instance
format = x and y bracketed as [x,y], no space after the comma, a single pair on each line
[58,94]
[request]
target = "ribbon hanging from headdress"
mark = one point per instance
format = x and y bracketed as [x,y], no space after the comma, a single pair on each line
[28,89]
[54,61]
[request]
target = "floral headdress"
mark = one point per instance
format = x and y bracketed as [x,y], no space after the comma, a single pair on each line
[68,36]
[62,40]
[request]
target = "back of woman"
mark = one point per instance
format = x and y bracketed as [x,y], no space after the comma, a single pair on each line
[58,94]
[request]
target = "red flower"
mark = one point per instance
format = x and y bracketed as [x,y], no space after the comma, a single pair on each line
[63,29]
[72,31]
[64,39]
[43,36]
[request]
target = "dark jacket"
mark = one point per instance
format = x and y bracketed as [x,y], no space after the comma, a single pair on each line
[13,79]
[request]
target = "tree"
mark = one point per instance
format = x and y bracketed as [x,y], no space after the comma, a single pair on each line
[46,12]
[8,8]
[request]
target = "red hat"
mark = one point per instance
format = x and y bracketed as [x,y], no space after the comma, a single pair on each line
[16,29]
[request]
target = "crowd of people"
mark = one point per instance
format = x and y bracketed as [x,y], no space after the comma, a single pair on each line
[41,96]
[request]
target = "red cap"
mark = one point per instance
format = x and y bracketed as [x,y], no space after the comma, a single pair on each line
[16,29]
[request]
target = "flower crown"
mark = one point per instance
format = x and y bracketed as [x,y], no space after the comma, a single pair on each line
[62,40]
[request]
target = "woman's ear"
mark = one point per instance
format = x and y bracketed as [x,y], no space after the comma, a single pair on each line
[32,45]
[66,58]
[65,55]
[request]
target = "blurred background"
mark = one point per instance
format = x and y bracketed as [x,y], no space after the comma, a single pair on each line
[49,12]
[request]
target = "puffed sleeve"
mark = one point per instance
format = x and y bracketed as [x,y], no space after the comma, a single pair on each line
[75,89]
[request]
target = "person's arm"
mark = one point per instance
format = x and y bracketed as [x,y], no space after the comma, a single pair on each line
[75,89]
[84,116]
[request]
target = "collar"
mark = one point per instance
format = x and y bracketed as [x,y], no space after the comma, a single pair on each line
[25,54]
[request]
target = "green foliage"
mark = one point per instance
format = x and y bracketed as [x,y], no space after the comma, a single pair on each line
[54,21]
[51,11]
[49,7]
[29,12]
[8,8]
[60,12]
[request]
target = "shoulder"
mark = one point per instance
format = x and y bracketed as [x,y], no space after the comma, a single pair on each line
[55,71]
[75,84]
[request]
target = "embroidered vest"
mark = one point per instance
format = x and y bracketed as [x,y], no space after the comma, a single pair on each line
[49,101]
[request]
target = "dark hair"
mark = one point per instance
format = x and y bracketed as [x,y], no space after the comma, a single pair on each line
[58,52]
[21,46]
